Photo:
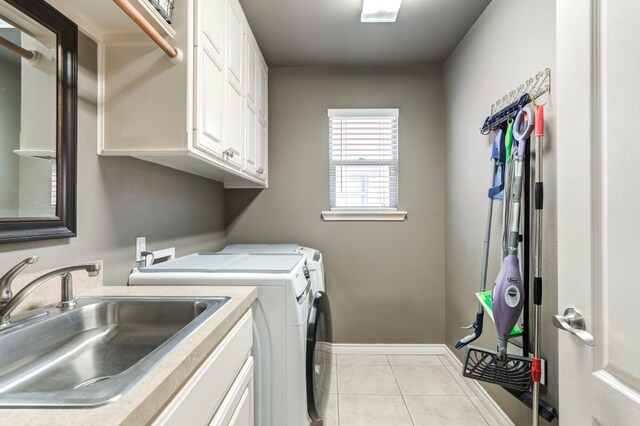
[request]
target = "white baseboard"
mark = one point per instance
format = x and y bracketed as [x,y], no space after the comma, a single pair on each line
[427,349]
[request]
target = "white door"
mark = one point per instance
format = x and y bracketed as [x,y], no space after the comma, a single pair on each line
[599,208]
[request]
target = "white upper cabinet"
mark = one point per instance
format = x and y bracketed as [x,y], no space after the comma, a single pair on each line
[262,152]
[235,43]
[209,85]
[251,140]
[252,53]
[204,115]
[263,91]
[251,105]
[234,95]
[210,32]
[263,127]
[234,126]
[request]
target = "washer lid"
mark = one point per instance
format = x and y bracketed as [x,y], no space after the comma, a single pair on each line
[261,248]
[319,356]
[229,263]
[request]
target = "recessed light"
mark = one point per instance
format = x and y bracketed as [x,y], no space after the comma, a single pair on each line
[374,11]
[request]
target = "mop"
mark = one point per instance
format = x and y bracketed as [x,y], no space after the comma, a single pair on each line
[496,191]
[498,366]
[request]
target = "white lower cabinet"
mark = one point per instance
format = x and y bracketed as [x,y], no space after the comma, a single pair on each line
[243,416]
[221,391]
[237,408]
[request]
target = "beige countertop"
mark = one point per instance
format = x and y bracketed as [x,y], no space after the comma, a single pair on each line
[143,402]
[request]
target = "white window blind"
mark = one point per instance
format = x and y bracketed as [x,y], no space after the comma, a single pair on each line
[363,159]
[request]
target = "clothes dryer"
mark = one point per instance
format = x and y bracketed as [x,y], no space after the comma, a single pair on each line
[315,262]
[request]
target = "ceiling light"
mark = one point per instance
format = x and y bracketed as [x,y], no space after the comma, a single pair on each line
[380,10]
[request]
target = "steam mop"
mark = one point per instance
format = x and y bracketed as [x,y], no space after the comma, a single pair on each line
[495,192]
[498,366]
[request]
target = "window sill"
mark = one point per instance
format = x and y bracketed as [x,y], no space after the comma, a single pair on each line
[364,216]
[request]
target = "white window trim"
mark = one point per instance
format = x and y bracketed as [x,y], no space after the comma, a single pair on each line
[364,216]
[359,112]
[368,215]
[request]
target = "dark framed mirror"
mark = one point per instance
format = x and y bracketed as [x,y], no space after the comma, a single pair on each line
[38,122]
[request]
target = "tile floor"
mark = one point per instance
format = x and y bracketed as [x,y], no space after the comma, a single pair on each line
[397,390]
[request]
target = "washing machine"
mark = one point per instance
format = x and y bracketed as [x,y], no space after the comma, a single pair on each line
[319,304]
[292,327]
[315,263]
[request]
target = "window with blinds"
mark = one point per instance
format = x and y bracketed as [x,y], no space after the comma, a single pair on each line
[363,159]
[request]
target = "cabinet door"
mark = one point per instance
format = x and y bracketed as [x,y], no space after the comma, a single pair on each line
[263,90]
[234,126]
[238,406]
[252,69]
[209,393]
[263,152]
[251,137]
[235,41]
[251,100]
[263,102]
[243,415]
[209,87]
[233,141]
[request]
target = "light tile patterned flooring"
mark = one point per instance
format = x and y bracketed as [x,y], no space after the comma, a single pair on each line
[398,390]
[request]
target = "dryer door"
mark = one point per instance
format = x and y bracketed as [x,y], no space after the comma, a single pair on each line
[319,356]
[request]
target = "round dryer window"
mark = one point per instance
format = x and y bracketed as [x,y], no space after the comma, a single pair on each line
[319,356]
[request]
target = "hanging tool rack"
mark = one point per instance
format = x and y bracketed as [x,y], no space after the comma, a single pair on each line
[504,109]
[508,106]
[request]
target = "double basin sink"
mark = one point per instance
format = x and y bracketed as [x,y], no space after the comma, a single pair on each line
[92,354]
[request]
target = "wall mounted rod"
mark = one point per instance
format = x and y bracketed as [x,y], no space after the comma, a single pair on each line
[140,21]
[26,54]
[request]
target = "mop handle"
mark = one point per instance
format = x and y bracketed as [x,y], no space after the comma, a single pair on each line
[487,231]
[538,195]
[536,363]
[538,202]
[522,135]
[516,195]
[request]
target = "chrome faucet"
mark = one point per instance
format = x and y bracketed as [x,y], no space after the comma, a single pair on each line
[67,298]
[7,279]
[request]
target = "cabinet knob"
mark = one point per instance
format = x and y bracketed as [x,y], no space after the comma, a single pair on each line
[260,170]
[228,153]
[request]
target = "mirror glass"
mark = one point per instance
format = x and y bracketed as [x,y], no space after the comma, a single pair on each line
[28,127]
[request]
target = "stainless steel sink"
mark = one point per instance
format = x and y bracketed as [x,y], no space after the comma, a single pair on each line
[92,354]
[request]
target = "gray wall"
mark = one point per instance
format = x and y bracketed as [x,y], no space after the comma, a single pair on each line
[475,76]
[122,198]
[386,280]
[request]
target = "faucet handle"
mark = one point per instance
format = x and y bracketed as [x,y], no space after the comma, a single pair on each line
[7,279]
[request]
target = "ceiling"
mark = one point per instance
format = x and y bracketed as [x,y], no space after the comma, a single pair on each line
[329,32]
